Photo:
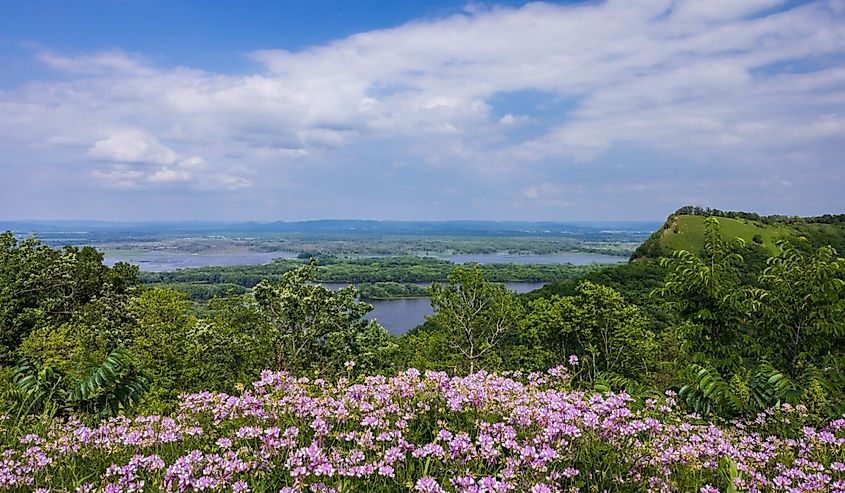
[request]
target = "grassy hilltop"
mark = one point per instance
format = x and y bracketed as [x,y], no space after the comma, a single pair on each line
[684,230]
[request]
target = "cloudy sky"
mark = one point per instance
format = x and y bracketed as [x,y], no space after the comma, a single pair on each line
[622,109]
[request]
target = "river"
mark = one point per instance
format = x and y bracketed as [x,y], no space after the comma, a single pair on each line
[156,261]
[397,316]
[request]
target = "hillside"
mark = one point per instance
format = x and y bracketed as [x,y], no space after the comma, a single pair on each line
[686,231]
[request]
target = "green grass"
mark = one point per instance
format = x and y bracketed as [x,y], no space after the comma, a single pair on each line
[687,233]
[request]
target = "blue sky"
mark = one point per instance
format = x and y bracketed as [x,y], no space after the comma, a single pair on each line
[250,110]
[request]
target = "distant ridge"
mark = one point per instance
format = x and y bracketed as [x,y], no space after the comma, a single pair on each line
[345,226]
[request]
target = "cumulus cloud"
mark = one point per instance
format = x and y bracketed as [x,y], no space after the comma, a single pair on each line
[744,85]
[137,159]
[132,146]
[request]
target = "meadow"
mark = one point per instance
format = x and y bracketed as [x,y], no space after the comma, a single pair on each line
[429,433]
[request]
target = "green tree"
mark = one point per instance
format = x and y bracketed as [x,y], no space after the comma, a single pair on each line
[307,323]
[706,291]
[757,342]
[476,315]
[800,310]
[233,345]
[159,340]
[41,286]
[597,325]
[426,347]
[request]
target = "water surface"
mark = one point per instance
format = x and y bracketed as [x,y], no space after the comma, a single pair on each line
[400,316]
[159,261]
[153,261]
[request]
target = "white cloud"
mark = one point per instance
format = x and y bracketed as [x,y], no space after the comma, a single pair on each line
[118,177]
[137,159]
[230,182]
[193,163]
[167,175]
[515,120]
[132,146]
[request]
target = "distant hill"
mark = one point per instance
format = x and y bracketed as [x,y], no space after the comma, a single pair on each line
[684,229]
[602,229]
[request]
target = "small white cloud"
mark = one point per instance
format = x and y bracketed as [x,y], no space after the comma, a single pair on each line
[295,153]
[167,175]
[133,146]
[322,137]
[193,163]
[230,182]
[511,120]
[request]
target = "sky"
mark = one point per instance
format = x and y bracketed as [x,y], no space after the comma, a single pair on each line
[137,110]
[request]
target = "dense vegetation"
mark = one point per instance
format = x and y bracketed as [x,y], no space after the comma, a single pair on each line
[584,384]
[391,290]
[203,283]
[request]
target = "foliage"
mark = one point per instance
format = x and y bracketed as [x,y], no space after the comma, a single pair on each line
[108,388]
[384,274]
[634,280]
[427,347]
[203,290]
[800,310]
[763,344]
[391,290]
[474,314]
[755,391]
[312,326]
[231,346]
[40,286]
[596,325]
[706,292]
[777,218]
[160,340]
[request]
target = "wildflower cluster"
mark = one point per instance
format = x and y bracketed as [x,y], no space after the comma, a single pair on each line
[431,433]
